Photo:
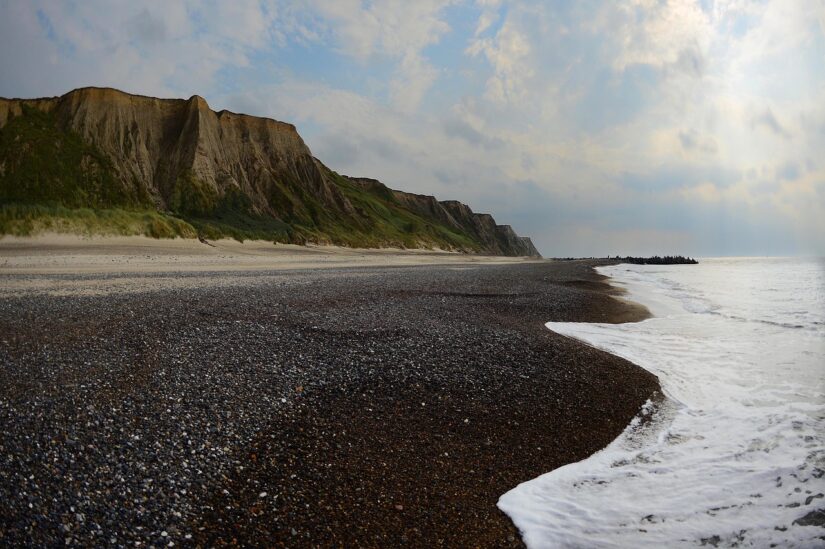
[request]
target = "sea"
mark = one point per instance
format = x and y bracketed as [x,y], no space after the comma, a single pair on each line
[733,453]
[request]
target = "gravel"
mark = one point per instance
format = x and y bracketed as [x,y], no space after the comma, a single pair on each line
[369,407]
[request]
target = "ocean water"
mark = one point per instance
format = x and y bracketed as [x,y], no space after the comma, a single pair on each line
[734,454]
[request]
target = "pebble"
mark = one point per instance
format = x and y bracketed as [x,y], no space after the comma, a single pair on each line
[134,415]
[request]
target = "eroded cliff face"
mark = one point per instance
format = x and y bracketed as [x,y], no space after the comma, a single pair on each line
[156,142]
[500,239]
[182,157]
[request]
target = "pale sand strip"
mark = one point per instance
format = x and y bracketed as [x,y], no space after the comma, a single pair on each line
[135,263]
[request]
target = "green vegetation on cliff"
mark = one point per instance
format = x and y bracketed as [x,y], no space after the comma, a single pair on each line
[99,161]
[378,221]
[30,219]
[380,216]
[52,180]
[43,163]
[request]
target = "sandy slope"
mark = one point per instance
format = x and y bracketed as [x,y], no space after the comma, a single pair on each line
[35,264]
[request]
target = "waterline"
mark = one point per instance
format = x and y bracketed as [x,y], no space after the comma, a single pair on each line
[736,454]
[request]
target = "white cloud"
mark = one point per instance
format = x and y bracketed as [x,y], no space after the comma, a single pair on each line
[780,26]
[383,27]
[669,34]
[485,21]
[548,117]
[159,49]
[414,78]
[507,53]
[767,120]
[389,28]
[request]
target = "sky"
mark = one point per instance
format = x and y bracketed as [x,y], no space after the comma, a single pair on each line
[595,127]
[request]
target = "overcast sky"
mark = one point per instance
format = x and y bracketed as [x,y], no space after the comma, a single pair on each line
[596,128]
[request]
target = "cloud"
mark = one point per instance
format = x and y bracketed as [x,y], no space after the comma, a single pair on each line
[595,127]
[485,21]
[388,29]
[156,49]
[692,141]
[455,127]
[672,34]
[679,176]
[146,28]
[688,140]
[339,151]
[413,78]
[788,171]
[507,53]
[767,120]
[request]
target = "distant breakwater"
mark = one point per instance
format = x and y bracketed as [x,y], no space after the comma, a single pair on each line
[654,260]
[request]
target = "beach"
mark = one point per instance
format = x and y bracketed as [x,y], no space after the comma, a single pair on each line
[734,453]
[174,392]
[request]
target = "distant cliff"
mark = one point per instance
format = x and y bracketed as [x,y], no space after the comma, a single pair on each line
[219,173]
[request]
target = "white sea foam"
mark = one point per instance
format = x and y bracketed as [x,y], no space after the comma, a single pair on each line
[735,455]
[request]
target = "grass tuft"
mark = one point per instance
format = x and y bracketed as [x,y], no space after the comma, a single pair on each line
[34,219]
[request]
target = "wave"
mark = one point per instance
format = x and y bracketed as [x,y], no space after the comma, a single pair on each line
[736,453]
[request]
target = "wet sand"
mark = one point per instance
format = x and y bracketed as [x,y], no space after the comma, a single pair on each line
[278,406]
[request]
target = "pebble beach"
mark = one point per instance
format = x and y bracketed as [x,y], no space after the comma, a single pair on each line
[370,405]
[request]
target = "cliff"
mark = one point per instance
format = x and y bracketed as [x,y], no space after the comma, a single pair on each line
[223,173]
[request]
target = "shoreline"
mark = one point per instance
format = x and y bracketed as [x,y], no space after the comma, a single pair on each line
[681,475]
[371,405]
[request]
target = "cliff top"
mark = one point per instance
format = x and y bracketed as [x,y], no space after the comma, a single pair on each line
[113,95]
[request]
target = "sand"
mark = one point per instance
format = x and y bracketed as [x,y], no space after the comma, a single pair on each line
[37,264]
